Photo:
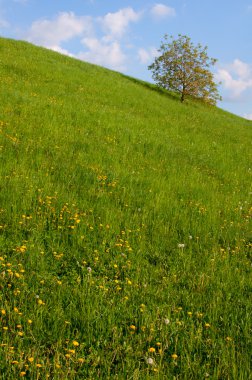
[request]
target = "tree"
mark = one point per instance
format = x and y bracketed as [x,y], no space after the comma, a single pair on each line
[184,68]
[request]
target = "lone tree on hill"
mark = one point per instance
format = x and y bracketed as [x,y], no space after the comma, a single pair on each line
[184,68]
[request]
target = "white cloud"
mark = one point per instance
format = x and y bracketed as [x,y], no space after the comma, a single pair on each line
[116,24]
[50,33]
[146,55]
[162,11]
[248,116]
[103,53]
[236,78]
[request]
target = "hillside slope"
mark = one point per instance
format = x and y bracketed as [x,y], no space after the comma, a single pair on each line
[125,227]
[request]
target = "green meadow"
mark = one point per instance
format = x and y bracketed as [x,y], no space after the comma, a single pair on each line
[125,227]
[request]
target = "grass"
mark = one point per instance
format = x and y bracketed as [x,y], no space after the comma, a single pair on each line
[125,227]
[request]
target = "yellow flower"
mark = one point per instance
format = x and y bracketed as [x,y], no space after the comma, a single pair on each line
[22,374]
[81,360]
[29,321]
[38,365]
[14,362]
[3,312]
[30,359]
[152,349]
[132,327]
[75,343]
[71,351]
[174,356]
[207,325]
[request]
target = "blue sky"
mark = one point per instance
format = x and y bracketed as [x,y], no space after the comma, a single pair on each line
[125,35]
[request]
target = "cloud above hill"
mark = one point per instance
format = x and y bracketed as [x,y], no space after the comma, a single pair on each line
[236,78]
[248,116]
[160,11]
[100,37]
[116,24]
[51,33]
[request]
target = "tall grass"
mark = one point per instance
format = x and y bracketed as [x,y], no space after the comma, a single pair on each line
[125,227]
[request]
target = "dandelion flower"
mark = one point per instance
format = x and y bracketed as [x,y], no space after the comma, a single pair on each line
[152,349]
[174,356]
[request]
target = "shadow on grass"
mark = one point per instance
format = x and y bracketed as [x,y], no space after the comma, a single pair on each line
[152,87]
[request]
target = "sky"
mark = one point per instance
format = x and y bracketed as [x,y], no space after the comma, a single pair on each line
[125,35]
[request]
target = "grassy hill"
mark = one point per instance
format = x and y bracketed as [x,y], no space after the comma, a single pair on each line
[125,227]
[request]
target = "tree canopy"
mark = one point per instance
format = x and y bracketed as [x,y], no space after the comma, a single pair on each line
[184,68]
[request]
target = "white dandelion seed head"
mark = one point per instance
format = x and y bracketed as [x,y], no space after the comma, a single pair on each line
[181,245]
[89,269]
[150,361]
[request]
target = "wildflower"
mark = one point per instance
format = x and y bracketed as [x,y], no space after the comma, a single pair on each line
[29,321]
[150,361]
[14,362]
[89,269]
[38,365]
[71,351]
[166,321]
[30,359]
[174,356]
[3,312]
[22,374]
[152,349]
[189,313]
[133,327]
[207,325]
[81,360]
[228,339]
[181,245]
[75,343]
